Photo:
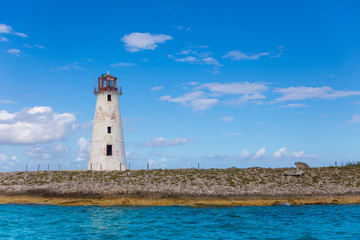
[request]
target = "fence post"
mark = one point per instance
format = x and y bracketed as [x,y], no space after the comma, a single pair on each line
[147,166]
[129,165]
[48,167]
[26,168]
[120,166]
[91,166]
[59,166]
[100,166]
[38,166]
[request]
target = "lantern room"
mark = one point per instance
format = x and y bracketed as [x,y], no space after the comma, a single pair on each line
[108,83]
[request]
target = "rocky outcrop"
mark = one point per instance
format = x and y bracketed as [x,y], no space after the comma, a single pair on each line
[295,172]
[186,183]
[301,165]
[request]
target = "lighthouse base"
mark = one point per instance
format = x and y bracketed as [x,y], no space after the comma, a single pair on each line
[107,156]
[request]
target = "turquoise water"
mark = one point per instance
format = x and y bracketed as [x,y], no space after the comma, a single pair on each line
[177,222]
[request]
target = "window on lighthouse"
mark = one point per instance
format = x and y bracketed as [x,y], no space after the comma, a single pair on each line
[108,150]
[109,97]
[108,129]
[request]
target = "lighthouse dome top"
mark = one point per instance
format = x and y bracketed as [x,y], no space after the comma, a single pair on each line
[107,83]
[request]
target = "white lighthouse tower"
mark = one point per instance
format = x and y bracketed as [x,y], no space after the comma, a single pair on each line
[107,151]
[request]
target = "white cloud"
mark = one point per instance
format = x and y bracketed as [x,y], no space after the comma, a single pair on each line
[203,54]
[196,100]
[3,157]
[39,46]
[222,157]
[35,45]
[238,55]
[73,66]
[260,153]
[235,88]
[45,152]
[302,93]
[188,29]
[279,53]
[203,103]
[84,148]
[204,96]
[199,46]
[254,98]
[3,39]
[133,156]
[227,119]
[215,70]
[294,105]
[282,153]
[157,88]
[84,145]
[40,109]
[355,119]
[187,52]
[15,159]
[205,60]
[8,162]
[6,29]
[23,35]
[189,59]
[202,58]
[14,51]
[200,101]
[4,115]
[162,142]
[122,64]
[34,125]
[161,163]
[193,83]
[211,61]
[136,41]
[245,154]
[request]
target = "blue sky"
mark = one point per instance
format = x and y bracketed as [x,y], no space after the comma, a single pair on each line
[220,83]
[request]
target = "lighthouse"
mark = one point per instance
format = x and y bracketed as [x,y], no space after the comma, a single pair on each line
[107,151]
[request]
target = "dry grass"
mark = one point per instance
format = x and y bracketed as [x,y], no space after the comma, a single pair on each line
[186,182]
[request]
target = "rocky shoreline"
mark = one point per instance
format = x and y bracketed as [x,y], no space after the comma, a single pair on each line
[226,187]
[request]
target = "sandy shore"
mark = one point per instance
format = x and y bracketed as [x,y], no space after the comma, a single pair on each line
[148,201]
[192,187]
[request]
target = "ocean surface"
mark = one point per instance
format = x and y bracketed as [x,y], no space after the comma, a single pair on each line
[179,222]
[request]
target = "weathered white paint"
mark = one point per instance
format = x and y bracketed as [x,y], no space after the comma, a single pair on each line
[107,114]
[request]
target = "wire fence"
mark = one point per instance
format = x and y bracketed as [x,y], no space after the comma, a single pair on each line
[59,167]
[66,167]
